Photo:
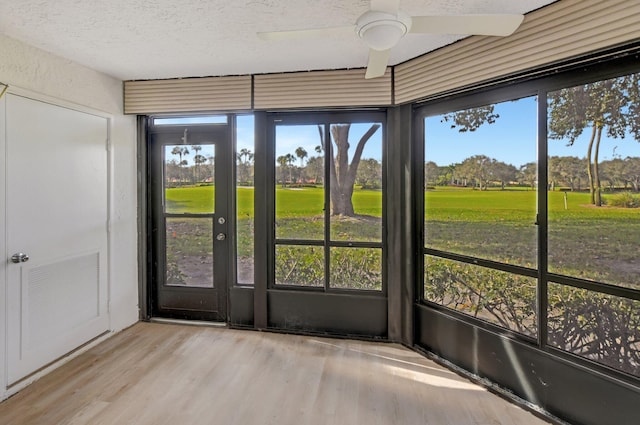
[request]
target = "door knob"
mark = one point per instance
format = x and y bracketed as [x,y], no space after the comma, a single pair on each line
[221,236]
[19,258]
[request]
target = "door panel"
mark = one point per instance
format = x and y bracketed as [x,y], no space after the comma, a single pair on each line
[189,189]
[326,250]
[56,214]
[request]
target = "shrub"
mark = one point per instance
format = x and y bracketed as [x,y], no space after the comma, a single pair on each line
[624,200]
[600,327]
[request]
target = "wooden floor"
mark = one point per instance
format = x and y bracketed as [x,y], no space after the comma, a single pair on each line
[173,374]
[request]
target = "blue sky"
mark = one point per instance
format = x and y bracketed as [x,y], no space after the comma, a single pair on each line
[511,139]
[290,137]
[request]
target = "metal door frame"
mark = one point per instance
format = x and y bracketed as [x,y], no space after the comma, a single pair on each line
[220,136]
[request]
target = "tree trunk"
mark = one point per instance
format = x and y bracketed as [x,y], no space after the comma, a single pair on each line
[343,174]
[596,173]
[592,197]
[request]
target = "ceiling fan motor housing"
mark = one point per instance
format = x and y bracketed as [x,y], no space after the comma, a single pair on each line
[381,30]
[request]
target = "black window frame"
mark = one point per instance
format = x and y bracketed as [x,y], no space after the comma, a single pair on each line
[325,118]
[568,75]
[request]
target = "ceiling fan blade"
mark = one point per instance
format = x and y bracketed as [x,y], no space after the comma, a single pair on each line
[389,6]
[500,25]
[377,66]
[309,33]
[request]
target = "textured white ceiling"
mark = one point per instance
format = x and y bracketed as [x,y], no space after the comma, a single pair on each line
[148,39]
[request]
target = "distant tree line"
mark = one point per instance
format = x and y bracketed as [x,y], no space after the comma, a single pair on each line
[610,107]
[481,172]
[311,171]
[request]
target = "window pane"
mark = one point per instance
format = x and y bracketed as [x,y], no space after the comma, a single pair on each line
[189,183]
[502,298]
[480,182]
[299,182]
[356,268]
[600,327]
[594,181]
[299,265]
[245,148]
[189,256]
[356,182]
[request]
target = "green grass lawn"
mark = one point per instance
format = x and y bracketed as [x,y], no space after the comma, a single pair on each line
[585,241]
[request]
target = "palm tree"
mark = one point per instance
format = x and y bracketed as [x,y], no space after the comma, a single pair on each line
[245,156]
[196,149]
[290,158]
[180,151]
[282,161]
[198,160]
[302,154]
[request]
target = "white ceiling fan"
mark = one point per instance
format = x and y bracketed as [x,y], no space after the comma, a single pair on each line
[385,24]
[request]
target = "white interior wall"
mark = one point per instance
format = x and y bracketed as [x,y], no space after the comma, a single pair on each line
[54,78]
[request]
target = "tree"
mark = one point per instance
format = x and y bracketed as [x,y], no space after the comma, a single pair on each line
[446,175]
[504,173]
[172,172]
[471,119]
[198,161]
[632,171]
[342,174]
[301,153]
[180,151]
[478,168]
[282,161]
[570,170]
[609,106]
[245,159]
[369,174]
[196,149]
[289,159]
[613,171]
[528,174]
[554,174]
[212,168]
[431,173]
[315,169]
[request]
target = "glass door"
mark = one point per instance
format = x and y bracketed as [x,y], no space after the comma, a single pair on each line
[189,189]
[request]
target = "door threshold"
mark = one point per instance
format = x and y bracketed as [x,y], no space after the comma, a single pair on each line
[188,322]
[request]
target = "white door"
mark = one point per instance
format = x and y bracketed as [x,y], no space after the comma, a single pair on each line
[56,214]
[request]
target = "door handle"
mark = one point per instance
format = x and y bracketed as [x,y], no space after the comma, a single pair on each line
[19,258]
[221,236]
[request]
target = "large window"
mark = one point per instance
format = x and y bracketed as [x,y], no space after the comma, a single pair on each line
[594,220]
[480,197]
[328,205]
[594,176]
[538,232]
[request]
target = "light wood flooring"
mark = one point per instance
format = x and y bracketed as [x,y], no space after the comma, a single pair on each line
[173,374]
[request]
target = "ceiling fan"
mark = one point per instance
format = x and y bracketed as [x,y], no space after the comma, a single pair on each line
[385,24]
